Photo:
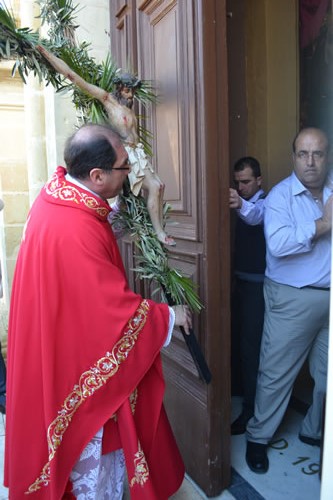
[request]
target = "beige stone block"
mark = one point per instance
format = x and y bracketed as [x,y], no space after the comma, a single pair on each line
[35,110]
[12,128]
[10,98]
[10,263]
[91,15]
[11,94]
[13,236]
[13,177]
[16,208]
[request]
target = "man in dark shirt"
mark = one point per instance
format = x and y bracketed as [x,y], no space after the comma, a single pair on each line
[249,269]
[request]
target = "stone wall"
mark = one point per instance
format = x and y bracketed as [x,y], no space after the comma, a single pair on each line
[34,124]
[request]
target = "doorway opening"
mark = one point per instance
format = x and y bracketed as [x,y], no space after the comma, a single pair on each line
[279,82]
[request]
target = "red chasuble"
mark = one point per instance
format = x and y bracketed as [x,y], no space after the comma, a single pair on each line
[83,352]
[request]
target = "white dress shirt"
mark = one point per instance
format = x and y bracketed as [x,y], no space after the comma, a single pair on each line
[252,210]
[293,257]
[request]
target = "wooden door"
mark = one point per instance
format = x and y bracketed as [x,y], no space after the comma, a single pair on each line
[181,46]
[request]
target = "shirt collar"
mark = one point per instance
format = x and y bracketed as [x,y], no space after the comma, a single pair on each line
[256,196]
[72,180]
[297,187]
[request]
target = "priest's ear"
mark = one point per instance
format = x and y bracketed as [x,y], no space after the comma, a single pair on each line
[97,176]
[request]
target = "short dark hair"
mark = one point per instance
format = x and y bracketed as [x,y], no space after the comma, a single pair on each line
[248,161]
[94,150]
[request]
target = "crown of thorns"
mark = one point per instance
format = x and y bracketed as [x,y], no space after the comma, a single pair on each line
[127,80]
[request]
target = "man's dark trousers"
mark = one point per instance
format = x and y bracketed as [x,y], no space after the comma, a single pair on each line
[248,318]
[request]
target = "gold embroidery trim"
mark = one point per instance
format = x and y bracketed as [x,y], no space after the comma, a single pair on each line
[63,191]
[133,400]
[89,382]
[141,469]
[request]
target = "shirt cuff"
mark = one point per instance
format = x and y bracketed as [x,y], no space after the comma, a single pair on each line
[246,208]
[171,325]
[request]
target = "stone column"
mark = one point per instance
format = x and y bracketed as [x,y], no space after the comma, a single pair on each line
[34,114]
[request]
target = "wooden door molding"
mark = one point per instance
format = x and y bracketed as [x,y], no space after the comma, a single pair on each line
[164,26]
[123,33]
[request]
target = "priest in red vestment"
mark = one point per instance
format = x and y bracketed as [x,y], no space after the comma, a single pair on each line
[85,382]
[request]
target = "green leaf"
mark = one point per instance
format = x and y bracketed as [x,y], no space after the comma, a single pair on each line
[16,65]
[19,67]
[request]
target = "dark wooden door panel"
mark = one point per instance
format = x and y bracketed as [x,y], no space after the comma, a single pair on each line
[123,33]
[181,46]
[161,55]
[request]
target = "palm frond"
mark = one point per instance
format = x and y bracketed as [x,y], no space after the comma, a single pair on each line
[108,72]
[146,94]
[14,41]
[145,135]
[152,257]
[60,16]
[7,17]
[19,44]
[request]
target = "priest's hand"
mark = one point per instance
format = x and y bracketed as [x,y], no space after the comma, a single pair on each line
[183,317]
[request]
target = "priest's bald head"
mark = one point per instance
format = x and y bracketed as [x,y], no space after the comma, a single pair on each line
[95,155]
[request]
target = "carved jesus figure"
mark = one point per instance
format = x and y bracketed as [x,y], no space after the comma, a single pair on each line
[118,107]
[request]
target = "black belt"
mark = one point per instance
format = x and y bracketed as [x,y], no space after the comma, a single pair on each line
[316,287]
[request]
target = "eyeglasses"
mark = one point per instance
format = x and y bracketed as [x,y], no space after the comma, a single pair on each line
[306,155]
[126,167]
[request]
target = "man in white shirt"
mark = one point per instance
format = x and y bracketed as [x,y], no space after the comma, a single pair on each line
[297,222]
[249,271]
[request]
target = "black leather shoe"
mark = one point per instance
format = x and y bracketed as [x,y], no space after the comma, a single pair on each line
[309,440]
[256,457]
[239,425]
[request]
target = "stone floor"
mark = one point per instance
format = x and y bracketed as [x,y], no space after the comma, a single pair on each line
[190,491]
[293,472]
[294,466]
